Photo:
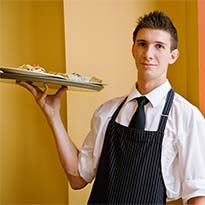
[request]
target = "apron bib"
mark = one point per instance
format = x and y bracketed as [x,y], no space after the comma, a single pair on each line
[129,170]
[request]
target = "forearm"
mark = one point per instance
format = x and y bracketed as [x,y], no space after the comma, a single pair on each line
[68,152]
[197,201]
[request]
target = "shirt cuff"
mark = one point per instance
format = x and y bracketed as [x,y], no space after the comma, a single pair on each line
[193,188]
[85,166]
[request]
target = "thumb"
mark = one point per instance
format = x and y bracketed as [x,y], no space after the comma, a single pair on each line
[61,90]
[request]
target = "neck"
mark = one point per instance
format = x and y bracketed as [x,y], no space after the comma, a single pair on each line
[145,87]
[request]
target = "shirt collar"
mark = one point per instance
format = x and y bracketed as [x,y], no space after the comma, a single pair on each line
[155,96]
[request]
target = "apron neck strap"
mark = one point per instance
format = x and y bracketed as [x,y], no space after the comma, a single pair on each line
[166,110]
[118,109]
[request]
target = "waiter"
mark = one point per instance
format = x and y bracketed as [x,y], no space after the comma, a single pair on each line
[146,147]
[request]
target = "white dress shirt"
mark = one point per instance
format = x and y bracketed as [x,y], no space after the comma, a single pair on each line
[183,148]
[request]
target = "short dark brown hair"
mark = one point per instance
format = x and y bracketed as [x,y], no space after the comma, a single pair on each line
[157,20]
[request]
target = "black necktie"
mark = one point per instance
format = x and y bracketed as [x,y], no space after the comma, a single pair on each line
[138,119]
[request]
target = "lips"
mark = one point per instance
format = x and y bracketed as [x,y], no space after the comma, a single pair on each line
[148,65]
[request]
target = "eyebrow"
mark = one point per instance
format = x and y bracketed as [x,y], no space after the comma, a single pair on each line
[160,42]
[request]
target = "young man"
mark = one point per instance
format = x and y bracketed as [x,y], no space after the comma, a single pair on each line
[163,159]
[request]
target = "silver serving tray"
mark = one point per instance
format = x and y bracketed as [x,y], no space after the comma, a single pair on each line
[27,77]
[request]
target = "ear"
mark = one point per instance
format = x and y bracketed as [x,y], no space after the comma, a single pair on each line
[174,56]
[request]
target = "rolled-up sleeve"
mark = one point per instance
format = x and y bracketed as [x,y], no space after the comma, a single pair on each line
[192,159]
[86,156]
[91,149]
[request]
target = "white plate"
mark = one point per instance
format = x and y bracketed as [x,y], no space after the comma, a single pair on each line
[28,72]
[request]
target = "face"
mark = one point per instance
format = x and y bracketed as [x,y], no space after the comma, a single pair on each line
[152,54]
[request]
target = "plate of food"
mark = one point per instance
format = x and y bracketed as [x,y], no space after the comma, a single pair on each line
[36,73]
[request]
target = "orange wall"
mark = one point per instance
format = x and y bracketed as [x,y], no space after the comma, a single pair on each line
[201,17]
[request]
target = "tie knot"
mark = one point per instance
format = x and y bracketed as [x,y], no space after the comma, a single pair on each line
[142,101]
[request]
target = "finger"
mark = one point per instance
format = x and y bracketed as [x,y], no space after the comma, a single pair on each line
[61,90]
[41,98]
[31,88]
[45,92]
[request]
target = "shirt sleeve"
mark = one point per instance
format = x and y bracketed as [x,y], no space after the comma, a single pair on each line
[91,149]
[86,156]
[192,158]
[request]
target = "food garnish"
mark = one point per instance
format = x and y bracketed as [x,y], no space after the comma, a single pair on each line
[74,76]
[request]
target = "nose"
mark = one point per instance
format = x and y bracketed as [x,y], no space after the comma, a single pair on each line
[148,52]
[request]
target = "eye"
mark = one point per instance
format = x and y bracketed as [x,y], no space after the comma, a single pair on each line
[141,44]
[159,46]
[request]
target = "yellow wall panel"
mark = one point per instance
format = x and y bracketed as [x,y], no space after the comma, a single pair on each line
[30,172]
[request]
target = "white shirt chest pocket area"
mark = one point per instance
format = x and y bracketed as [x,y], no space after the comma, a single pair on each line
[170,164]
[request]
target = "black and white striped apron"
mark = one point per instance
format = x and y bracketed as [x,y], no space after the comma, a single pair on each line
[129,170]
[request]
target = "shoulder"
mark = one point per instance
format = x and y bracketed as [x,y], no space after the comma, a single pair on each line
[185,113]
[185,107]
